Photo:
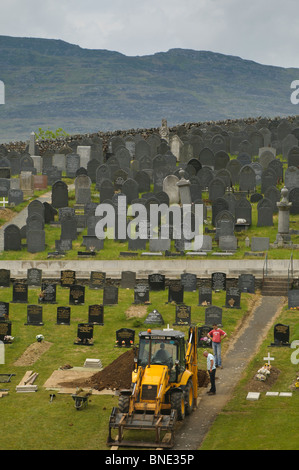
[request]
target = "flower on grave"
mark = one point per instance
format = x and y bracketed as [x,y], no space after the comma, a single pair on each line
[39,338]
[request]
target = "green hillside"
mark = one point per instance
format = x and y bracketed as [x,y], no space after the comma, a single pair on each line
[50,83]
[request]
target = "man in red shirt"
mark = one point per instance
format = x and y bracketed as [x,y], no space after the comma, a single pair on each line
[216,335]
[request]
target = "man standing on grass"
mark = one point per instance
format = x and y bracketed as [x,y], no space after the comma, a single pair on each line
[211,368]
[216,335]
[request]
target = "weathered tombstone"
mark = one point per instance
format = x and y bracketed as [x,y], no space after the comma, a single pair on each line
[82,189]
[243,210]
[4,311]
[294,199]
[213,316]
[268,179]
[293,298]
[34,277]
[63,245]
[27,183]
[12,238]
[125,338]
[176,293]
[67,278]
[77,295]
[234,167]
[233,298]
[84,152]
[4,277]
[84,334]
[110,295]
[205,296]
[156,282]
[20,292]
[63,316]
[281,335]
[216,189]
[218,281]
[15,196]
[141,294]
[34,315]
[291,177]
[154,318]
[72,164]
[59,194]
[260,243]
[265,213]
[189,280]
[68,228]
[48,293]
[36,241]
[182,315]
[246,283]
[247,179]
[207,157]
[97,280]
[128,279]
[96,314]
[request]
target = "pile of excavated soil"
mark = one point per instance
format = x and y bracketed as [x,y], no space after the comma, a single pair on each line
[260,386]
[33,353]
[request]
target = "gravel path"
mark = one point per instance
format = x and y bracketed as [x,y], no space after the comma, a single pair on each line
[194,428]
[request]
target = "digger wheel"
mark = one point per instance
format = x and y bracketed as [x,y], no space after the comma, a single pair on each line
[177,400]
[189,397]
[123,403]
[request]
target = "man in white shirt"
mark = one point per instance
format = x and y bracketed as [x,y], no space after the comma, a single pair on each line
[211,368]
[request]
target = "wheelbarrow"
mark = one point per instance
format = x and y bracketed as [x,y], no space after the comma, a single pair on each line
[81,399]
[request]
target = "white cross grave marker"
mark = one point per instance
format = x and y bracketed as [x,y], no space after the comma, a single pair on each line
[269,359]
[3,202]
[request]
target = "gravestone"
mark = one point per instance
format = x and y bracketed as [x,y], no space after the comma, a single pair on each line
[110,295]
[243,210]
[281,335]
[233,298]
[291,177]
[182,315]
[72,165]
[77,295]
[63,245]
[141,294]
[4,277]
[12,238]
[34,315]
[97,280]
[176,293]
[293,298]
[260,243]
[96,314]
[5,331]
[156,281]
[67,278]
[15,196]
[202,340]
[128,279]
[125,338]
[205,296]
[218,281]
[246,283]
[34,277]
[247,178]
[48,293]
[59,194]
[213,316]
[216,189]
[294,199]
[4,311]
[188,280]
[268,179]
[27,183]
[264,213]
[68,228]
[154,318]
[19,292]
[36,241]
[63,316]
[84,334]
[82,189]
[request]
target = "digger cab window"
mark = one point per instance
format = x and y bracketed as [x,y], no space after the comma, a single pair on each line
[162,352]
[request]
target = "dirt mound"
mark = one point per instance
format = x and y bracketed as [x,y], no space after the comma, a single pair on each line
[33,353]
[259,386]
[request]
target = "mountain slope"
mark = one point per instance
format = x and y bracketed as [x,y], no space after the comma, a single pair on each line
[50,83]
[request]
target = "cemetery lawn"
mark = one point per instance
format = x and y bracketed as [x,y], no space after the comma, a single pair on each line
[29,421]
[270,423]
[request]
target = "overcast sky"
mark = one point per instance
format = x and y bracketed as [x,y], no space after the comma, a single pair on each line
[266,31]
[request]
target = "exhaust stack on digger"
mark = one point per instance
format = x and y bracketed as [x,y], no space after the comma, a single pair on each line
[163,389]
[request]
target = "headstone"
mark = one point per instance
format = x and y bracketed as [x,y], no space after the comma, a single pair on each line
[96,314]
[110,295]
[176,293]
[247,178]
[34,315]
[20,292]
[293,298]
[84,334]
[27,183]
[205,296]
[5,330]
[182,315]
[260,243]
[97,280]
[218,281]
[281,335]
[59,194]
[72,164]
[36,241]
[128,279]
[63,316]
[12,238]
[213,315]
[233,298]
[156,282]
[15,196]
[67,278]
[246,283]
[141,294]
[189,281]
[4,277]
[77,295]
[4,311]
[265,213]
[48,293]
[154,318]
[125,338]
[34,277]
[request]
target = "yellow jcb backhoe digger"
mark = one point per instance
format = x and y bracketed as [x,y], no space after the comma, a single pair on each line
[163,390]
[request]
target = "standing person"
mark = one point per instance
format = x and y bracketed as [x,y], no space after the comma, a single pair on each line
[217,335]
[211,368]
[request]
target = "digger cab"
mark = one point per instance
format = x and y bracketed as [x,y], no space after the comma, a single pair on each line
[162,347]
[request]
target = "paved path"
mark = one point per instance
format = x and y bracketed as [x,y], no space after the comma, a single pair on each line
[194,428]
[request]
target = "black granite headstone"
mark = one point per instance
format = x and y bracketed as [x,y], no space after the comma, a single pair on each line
[205,296]
[97,280]
[125,338]
[63,315]
[182,315]
[156,282]
[77,295]
[84,334]
[48,293]
[4,311]
[4,277]
[218,281]
[176,293]
[233,298]
[110,295]
[5,330]
[141,294]
[20,292]
[34,277]
[281,335]
[213,315]
[96,314]
[34,315]
[67,278]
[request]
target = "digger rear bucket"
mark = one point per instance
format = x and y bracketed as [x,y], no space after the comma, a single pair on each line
[143,422]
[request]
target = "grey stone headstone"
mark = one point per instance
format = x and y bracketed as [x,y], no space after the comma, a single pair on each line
[260,243]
